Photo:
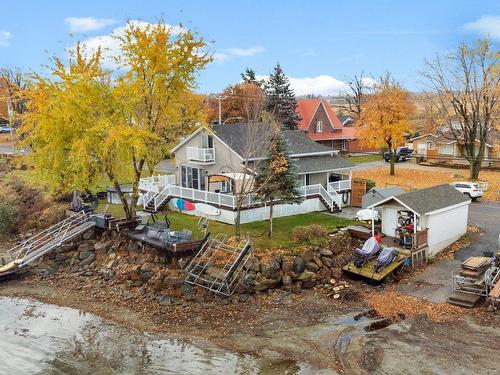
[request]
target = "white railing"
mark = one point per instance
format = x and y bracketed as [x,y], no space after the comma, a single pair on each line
[339,185]
[332,198]
[201,154]
[156,183]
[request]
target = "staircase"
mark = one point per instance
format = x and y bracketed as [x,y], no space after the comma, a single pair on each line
[50,239]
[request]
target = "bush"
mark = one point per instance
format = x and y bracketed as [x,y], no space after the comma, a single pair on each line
[8,217]
[370,184]
[308,233]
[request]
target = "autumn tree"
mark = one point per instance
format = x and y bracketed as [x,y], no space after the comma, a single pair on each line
[277,179]
[386,117]
[280,99]
[83,121]
[12,83]
[463,93]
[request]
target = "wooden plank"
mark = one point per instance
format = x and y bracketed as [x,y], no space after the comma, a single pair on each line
[495,292]
[368,270]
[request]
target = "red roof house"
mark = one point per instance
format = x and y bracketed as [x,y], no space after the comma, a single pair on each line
[322,125]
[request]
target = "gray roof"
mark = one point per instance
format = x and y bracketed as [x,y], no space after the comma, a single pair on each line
[318,163]
[431,199]
[297,142]
[375,195]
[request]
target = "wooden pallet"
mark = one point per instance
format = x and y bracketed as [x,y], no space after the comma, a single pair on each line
[462,299]
[495,292]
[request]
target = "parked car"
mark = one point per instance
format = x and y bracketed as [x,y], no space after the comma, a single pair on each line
[471,189]
[402,154]
[6,129]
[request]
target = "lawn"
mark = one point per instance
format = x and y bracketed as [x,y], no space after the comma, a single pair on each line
[409,179]
[360,159]
[283,226]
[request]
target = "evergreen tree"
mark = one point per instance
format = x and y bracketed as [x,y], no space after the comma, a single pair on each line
[277,179]
[249,76]
[281,99]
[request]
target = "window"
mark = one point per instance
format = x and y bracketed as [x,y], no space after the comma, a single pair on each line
[307,179]
[344,145]
[193,178]
[430,146]
[225,186]
[207,141]
[319,126]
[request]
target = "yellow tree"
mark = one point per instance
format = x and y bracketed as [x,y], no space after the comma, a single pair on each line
[386,117]
[84,121]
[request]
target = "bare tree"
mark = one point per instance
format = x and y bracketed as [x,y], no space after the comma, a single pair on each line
[14,82]
[464,87]
[354,95]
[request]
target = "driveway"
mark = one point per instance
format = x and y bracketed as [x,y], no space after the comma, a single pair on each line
[434,283]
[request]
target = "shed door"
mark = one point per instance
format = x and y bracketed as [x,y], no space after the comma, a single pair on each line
[389,221]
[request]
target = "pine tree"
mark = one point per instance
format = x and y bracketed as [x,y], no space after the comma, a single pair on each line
[277,179]
[249,76]
[281,99]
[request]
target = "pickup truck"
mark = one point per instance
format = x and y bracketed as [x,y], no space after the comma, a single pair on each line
[402,154]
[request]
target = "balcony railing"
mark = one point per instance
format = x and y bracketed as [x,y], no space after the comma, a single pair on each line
[339,185]
[204,155]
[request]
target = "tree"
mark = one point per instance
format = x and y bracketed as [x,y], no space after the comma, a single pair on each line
[464,91]
[354,95]
[280,99]
[386,117]
[14,81]
[249,76]
[277,179]
[83,121]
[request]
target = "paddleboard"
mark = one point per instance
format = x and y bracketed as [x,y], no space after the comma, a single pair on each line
[173,202]
[183,205]
[207,209]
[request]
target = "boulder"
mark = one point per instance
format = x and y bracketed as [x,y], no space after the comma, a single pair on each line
[270,269]
[307,256]
[146,275]
[86,246]
[318,261]
[287,266]
[187,290]
[133,246]
[286,280]
[60,258]
[103,246]
[311,266]
[88,260]
[306,275]
[308,284]
[88,234]
[298,265]
[326,252]
[249,279]
[267,284]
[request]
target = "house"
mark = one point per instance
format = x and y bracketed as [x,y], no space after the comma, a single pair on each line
[323,126]
[438,215]
[214,165]
[440,149]
[376,194]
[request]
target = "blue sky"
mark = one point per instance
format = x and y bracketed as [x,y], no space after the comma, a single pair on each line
[318,43]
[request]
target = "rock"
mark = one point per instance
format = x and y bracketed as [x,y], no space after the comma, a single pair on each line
[297,287]
[147,267]
[318,261]
[270,269]
[306,275]
[103,246]
[88,234]
[336,273]
[311,266]
[133,246]
[286,280]
[298,265]
[326,252]
[88,260]
[86,246]
[307,256]
[145,276]
[327,261]
[249,279]
[127,295]
[187,290]
[267,284]
[325,274]
[308,284]
[60,258]
[112,256]
[287,266]
[111,263]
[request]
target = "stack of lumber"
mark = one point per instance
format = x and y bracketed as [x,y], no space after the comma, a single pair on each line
[474,267]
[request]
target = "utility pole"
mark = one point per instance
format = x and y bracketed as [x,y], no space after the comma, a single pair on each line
[220,98]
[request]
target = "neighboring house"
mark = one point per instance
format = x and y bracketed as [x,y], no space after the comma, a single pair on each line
[375,195]
[439,149]
[439,215]
[210,167]
[323,126]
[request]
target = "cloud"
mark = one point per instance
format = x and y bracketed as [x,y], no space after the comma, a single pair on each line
[4,38]
[81,24]
[229,53]
[486,25]
[110,45]
[323,85]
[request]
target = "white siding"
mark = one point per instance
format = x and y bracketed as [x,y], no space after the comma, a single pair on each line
[446,227]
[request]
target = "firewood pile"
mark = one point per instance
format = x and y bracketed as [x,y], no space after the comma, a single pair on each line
[475,267]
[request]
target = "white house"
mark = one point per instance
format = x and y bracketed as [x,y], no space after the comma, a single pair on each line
[438,214]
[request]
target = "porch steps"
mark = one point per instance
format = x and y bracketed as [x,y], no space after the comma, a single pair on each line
[461,299]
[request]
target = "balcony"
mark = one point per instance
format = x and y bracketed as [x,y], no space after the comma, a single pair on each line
[201,155]
[341,185]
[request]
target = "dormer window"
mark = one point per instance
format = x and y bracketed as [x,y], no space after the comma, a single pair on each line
[319,126]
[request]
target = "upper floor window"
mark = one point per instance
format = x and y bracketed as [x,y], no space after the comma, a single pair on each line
[319,126]
[207,141]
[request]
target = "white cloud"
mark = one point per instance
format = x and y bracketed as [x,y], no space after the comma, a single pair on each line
[81,24]
[229,53]
[486,25]
[109,44]
[4,38]
[323,85]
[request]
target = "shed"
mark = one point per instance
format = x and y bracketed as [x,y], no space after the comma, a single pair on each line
[441,211]
[375,195]
[113,197]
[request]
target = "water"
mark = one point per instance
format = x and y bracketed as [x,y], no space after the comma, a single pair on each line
[38,338]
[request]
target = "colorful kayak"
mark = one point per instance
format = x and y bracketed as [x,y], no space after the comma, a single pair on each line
[182,204]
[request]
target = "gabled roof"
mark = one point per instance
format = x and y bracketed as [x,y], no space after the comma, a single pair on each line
[307,108]
[429,200]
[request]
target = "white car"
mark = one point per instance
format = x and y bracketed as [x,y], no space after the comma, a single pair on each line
[471,189]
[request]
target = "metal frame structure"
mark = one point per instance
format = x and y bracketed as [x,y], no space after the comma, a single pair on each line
[218,266]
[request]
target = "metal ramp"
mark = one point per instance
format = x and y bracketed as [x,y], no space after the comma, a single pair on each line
[218,265]
[44,242]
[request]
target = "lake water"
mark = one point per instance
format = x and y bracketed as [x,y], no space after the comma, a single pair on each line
[38,338]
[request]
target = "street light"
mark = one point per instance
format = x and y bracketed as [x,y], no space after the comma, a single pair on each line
[232,118]
[220,98]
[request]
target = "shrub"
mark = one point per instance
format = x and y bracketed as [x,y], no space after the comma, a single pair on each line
[8,217]
[308,233]
[370,184]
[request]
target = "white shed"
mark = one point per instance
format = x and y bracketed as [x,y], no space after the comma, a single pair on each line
[441,210]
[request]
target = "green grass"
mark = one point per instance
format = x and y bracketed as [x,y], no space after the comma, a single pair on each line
[359,159]
[282,234]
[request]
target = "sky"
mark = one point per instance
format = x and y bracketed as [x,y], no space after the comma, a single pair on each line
[319,44]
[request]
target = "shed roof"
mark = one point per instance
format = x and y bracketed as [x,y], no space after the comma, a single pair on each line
[425,201]
[321,163]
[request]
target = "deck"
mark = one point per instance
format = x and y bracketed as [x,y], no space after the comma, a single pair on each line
[174,250]
[368,270]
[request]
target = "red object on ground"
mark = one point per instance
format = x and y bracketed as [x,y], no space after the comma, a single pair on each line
[378,238]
